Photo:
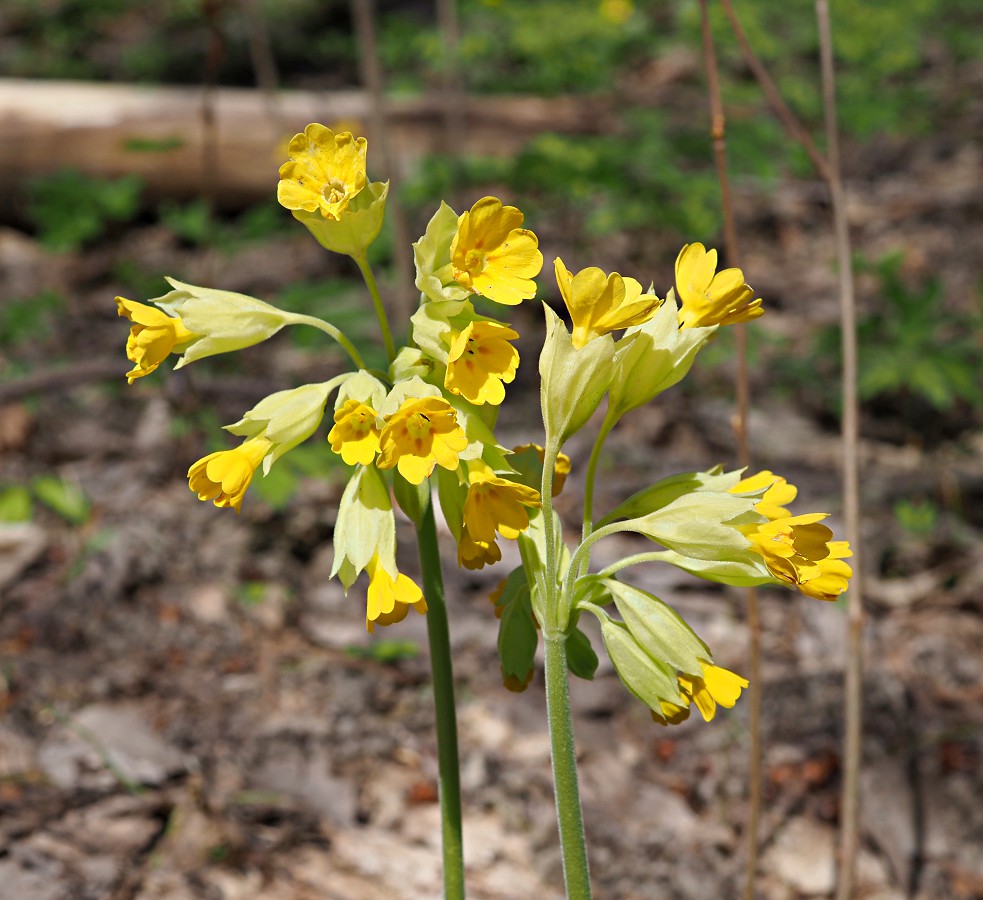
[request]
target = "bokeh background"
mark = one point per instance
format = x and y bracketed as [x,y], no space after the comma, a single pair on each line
[192,709]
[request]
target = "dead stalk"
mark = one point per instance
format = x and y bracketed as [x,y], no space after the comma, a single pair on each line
[718,133]
[363,17]
[850,812]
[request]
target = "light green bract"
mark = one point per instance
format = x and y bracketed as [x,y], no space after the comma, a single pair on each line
[287,418]
[365,527]
[652,357]
[225,320]
[358,226]
[573,381]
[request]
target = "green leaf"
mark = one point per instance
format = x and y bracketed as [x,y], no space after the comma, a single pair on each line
[62,497]
[412,498]
[581,658]
[517,633]
[15,504]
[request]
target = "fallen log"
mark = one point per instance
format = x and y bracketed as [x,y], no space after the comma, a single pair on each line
[160,133]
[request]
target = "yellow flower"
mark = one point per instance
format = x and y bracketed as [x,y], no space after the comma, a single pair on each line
[324,172]
[600,304]
[421,434]
[798,551]
[616,11]
[492,256]
[496,504]
[717,687]
[772,503]
[390,600]
[481,362]
[830,577]
[153,335]
[561,467]
[472,554]
[225,476]
[355,434]
[709,299]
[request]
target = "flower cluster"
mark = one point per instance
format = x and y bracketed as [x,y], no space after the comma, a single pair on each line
[426,426]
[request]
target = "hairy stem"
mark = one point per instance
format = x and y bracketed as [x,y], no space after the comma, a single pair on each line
[443,692]
[380,310]
[576,872]
[331,331]
[595,455]
[570,817]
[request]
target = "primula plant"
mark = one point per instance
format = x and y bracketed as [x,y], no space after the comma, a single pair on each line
[424,430]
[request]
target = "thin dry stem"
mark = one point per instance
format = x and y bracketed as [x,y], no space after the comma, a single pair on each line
[850,812]
[785,115]
[363,16]
[718,134]
[454,95]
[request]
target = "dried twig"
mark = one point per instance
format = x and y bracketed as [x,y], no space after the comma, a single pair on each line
[853,715]
[718,133]
[363,16]
[785,115]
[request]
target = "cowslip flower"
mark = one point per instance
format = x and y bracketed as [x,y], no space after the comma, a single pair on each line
[153,336]
[472,554]
[706,298]
[389,599]
[561,467]
[798,550]
[355,435]
[223,477]
[324,173]
[715,687]
[481,361]
[600,304]
[774,500]
[493,256]
[495,504]
[421,434]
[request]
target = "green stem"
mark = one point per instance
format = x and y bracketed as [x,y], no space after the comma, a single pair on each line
[363,264]
[576,873]
[443,693]
[331,331]
[595,455]
[570,817]
[551,601]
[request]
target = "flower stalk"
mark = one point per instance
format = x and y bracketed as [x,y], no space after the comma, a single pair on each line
[438,633]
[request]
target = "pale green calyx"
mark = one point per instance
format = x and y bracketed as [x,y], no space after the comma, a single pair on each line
[653,357]
[287,417]
[414,387]
[410,361]
[432,255]
[357,227]
[365,526]
[650,680]
[434,323]
[573,381]
[225,320]
[701,524]
[658,628]
[364,388]
[663,492]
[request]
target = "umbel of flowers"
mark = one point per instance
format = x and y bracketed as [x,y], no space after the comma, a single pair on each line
[426,425]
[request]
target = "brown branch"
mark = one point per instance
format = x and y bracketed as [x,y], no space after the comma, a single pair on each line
[785,115]
[850,426]
[363,16]
[718,135]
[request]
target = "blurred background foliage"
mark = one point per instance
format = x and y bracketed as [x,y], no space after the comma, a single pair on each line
[636,184]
